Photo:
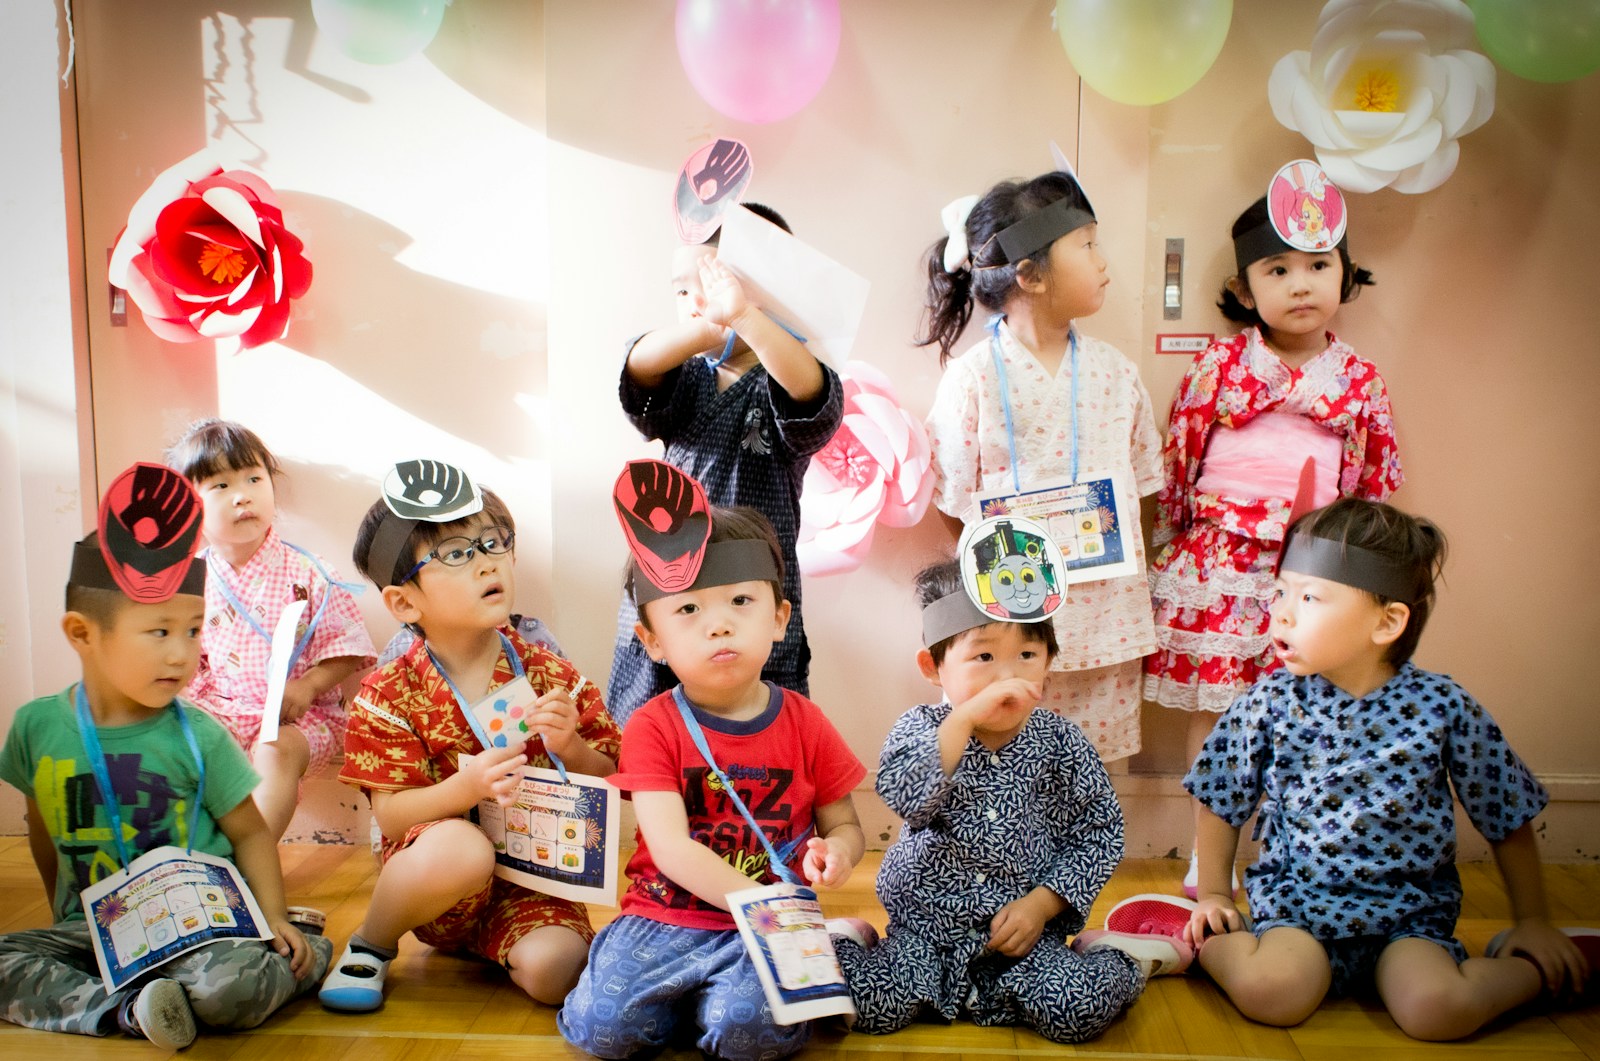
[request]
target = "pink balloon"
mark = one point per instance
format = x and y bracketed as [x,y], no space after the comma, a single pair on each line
[758,60]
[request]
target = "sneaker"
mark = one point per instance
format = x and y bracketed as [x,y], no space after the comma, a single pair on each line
[356,983]
[1156,953]
[1150,914]
[308,919]
[1191,879]
[160,1012]
[854,929]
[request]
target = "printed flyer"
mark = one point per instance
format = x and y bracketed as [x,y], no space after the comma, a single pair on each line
[557,838]
[166,903]
[783,928]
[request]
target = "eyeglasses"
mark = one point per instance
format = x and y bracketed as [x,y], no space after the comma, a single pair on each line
[454,552]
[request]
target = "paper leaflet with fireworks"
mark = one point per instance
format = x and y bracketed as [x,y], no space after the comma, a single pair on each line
[784,931]
[556,837]
[167,903]
[1091,521]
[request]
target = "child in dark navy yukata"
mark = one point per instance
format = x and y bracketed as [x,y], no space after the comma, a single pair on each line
[745,427]
[1351,752]
[674,954]
[1011,829]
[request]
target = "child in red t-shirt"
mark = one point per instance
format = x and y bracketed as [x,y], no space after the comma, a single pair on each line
[794,772]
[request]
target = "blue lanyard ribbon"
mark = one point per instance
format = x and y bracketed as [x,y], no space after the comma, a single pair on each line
[727,347]
[221,582]
[102,773]
[778,858]
[993,327]
[517,671]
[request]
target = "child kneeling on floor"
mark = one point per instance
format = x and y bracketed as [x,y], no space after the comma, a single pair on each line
[1011,829]
[1351,752]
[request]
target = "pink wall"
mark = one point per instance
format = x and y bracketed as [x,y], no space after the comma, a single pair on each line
[489,221]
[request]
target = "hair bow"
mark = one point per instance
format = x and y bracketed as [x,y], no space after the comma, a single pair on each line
[954,216]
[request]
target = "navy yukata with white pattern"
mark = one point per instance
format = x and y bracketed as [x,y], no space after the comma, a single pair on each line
[1038,811]
[1358,825]
[748,445]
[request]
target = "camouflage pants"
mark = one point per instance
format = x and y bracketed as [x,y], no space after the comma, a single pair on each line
[49,981]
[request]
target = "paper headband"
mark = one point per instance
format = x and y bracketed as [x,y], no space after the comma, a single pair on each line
[1011,569]
[667,521]
[145,541]
[1305,211]
[416,492]
[711,182]
[1350,565]
[950,615]
[1024,237]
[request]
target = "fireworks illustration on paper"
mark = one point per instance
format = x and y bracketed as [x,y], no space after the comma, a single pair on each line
[764,920]
[582,803]
[230,895]
[109,910]
[592,835]
[1108,519]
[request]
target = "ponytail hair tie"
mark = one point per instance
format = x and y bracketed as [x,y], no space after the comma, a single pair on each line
[954,216]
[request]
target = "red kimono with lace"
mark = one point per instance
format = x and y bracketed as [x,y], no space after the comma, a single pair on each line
[1211,584]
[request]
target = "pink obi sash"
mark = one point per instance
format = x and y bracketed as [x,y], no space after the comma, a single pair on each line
[1263,459]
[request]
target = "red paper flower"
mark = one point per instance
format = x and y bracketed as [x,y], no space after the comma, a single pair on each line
[205,255]
[875,469]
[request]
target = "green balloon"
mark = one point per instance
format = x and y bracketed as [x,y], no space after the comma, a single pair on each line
[1541,40]
[379,31]
[1142,51]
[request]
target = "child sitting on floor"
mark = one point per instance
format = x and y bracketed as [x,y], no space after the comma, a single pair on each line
[1351,752]
[674,953]
[1011,829]
[118,767]
[441,552]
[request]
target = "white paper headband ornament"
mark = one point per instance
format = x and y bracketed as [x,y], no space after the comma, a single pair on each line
[1011,569]
[1305,211]
[712,181]
[418,491]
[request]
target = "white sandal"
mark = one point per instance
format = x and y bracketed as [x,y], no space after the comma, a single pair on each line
[355,984]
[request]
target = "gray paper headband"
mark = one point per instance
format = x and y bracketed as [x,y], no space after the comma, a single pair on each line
[1042,228]
[950,615]
[1349,565]
[726,562]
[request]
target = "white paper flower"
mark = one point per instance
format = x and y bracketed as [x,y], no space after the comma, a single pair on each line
[1385,91]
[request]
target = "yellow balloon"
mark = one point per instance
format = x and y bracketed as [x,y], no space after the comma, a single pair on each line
[1142,51]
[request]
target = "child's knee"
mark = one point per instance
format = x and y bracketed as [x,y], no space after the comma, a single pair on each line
[746,1032]
[547,962]
[1275,996]
[237,985]
[454,852]
[1435,1009]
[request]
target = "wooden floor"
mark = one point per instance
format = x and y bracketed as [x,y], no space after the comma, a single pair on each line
[442,1008]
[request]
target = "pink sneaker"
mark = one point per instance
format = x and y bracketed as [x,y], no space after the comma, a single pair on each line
[1142,915]
[1157,954]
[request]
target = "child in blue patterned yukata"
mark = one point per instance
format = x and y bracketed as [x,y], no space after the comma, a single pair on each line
[1011,829]
[1351,752]
[745,426]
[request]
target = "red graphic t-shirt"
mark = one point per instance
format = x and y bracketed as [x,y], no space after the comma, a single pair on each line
[784,764]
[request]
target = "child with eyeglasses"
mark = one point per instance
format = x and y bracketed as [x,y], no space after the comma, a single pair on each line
[442,554]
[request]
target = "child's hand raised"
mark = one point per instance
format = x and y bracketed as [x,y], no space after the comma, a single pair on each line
[1002,704]
[827,862]
[555,719]
[723,294]
[492,774]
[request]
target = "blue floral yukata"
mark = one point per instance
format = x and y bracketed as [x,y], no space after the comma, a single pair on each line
[1357,822]
[1039,811]
[749,445]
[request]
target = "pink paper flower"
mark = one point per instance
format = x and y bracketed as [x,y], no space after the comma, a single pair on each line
[205,255]
[874,470]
